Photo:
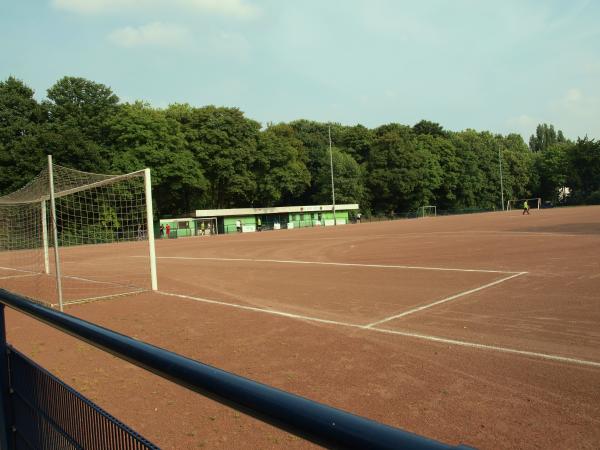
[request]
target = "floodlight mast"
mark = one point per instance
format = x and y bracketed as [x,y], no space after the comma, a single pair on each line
[332,184]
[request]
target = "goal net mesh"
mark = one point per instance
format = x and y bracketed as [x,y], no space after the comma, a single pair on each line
[101,235]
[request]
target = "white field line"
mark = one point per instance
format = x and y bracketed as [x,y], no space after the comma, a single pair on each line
[100,297]
[262,310]
[425,337]
[9,277]
[20,270]
[444,300]
[89,280]
[378,266]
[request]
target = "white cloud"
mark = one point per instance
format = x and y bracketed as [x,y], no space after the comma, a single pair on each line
[241,9]
[235,8]
[98,6]
[153,34]
[575,102]
[572,97]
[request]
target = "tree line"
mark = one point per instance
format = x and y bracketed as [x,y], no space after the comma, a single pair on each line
[215,157]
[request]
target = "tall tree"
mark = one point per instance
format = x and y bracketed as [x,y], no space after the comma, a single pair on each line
[402,174]
[281,173]
[544,137]
[584,169]
[224,142]
[79,112]
[145,137]
[430,128]
[550,168]
[348,177]
[21,149]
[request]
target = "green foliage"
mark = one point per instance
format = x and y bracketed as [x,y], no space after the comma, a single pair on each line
[551,169]
[584,167]
[403,174]
[429,128]
[21,145]
[79,111]
[544,137]
[348,179]
[215,157]
[280,172]
[224,143]
[146,137]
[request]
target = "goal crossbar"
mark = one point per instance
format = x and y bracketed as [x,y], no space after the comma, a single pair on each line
[534,203]
[9,200]
[428,210]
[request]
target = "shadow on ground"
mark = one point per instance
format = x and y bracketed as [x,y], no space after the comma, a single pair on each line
[567,228]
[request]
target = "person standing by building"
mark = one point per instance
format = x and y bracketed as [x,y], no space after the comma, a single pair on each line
[162,231]
[358,217]
[168,230]
[238,225]
[258,224]
[202,228]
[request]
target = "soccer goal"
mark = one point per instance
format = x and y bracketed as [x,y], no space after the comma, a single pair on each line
[71,237]
[206,226]
[534,203]
[428,211]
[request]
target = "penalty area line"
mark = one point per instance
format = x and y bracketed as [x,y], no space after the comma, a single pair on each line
[493,348]
[444,300]
[324,263]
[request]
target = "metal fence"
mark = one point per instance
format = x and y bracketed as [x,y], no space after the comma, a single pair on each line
[319,423]
[48,414]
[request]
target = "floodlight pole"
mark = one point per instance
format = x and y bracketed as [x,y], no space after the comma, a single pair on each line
[55,234]
[332,184]
[501,182]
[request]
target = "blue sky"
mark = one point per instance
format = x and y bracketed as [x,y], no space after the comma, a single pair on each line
[502,66]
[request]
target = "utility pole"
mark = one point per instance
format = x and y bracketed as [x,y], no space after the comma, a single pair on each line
[332,185]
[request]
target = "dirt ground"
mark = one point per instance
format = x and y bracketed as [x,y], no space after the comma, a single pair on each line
[481,329]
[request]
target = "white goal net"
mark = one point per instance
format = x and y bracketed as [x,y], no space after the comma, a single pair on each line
[96,242]
[533,203]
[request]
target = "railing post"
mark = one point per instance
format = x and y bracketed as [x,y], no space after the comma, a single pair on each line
[5,409]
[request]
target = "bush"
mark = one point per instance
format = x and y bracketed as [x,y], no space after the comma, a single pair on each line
[593,198]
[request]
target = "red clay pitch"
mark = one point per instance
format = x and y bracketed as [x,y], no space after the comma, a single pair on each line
[515,364]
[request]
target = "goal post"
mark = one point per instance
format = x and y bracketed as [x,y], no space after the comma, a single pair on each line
[81,236]
[428,211]
[534,203]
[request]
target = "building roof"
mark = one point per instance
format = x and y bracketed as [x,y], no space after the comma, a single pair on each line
[272,210]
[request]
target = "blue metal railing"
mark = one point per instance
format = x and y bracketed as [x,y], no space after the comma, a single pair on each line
[319,423]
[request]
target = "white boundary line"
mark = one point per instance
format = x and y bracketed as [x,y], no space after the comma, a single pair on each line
[322,263]
[425,337]
[444,300]
[262,310]
[20,270]
[9,277]
[89,280]
[100,297]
